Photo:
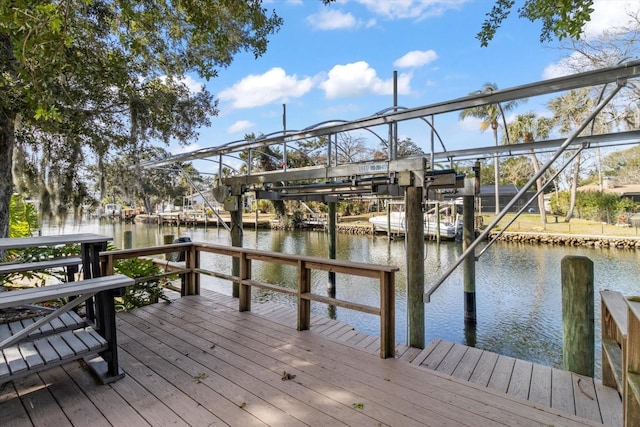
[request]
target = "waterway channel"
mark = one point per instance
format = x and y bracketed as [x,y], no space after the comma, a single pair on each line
[519,305]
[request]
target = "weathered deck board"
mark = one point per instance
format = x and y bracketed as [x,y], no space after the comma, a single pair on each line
[198,361]
[522,379]
[547,386]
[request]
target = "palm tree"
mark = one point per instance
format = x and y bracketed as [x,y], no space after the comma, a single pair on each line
[569,111]
[490,116]
[529,127]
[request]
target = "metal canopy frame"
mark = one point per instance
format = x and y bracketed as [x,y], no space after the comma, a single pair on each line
[603,76]
[382,177]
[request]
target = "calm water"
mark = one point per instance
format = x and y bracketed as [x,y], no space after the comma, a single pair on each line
[519,306]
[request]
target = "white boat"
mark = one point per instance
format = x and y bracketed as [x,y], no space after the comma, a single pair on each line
[398,225]
[112,210]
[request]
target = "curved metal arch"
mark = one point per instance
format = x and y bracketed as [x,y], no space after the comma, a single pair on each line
[384,111]
[385,143]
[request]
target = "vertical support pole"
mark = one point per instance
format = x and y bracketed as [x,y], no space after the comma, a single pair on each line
[469,263]
[331,284]
[577,315]
[437,216]
[388,221]
[128,239]
[236,241]
[387,314]
[415,266]
[304,304]
[257,216]
[244,303]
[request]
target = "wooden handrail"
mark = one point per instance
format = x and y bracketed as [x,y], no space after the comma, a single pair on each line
[385,274]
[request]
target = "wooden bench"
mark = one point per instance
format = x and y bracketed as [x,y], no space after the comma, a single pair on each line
[33,345]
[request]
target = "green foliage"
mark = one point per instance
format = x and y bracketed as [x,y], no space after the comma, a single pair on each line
[564,18]
[142,293]
[86,75]
[594,205]
[23,218]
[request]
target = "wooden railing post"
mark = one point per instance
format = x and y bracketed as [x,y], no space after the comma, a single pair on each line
[244,292]
[387,314]
[106,268]
[304,304]
[191,284]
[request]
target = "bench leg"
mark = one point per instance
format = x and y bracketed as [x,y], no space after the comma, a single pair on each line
[106,367]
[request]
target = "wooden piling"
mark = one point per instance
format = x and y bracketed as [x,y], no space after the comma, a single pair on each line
[415,266]
[577,315]
[127,239]
[331,224]
[236,240]
[469,264]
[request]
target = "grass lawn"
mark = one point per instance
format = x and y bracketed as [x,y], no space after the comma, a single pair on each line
[531,223]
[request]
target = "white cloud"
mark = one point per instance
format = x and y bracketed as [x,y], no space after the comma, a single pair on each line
[193,85]
[470,124]
[608,14]
[240,126]
[257,90]
[416,58]
[331,19]
[359,78]
[413,9]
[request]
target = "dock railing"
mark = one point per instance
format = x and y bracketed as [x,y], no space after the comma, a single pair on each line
[191,270]
[621,351]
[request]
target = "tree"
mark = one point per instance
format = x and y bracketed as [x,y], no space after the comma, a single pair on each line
[623,166]
[62,65]
[351,148]
[559,18]
[529,128]
[490,116]
[569,111]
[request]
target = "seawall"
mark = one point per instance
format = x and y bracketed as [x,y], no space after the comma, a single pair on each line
[618,242]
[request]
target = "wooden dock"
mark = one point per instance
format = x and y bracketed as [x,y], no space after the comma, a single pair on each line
[199,362]
[562,390]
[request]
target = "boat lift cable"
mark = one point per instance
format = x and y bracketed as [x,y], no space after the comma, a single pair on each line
[471,248]
[524,206]
[206,201]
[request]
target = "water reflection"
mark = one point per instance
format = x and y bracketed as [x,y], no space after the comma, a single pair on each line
[518,298]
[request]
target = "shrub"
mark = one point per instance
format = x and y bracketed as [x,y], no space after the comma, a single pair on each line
[142,293]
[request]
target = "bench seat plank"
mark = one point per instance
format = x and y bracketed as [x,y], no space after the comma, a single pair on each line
[5,332]
[74,342]
[46,350]
[4,367]
[9,268]
[15,362]
[60,346]
[47,293]
[30,355]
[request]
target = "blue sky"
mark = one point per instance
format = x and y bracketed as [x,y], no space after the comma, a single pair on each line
[337,62]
